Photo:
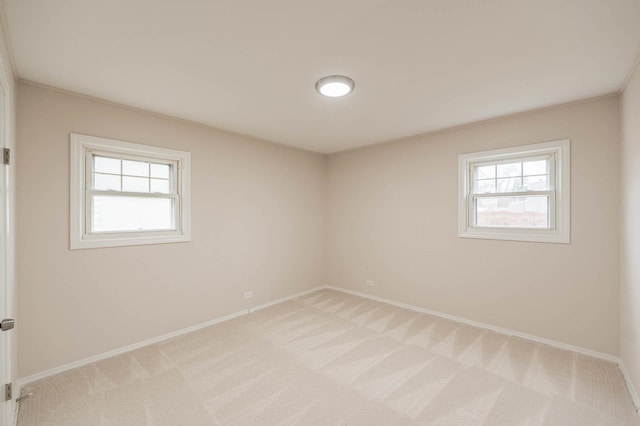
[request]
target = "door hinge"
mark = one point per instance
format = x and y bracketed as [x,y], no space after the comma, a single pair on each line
[6,156]
[8,392]
[7,324]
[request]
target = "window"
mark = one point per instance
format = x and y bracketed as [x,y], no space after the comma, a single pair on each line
[519,193]
[127,194]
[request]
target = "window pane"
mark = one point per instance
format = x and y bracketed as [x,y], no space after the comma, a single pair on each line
[513,212]
[106,165]
[536,183]
[118,213]
[509,185]
[485,172]
[160,185]
[160,170]
[485,186]
[106,182]
[537,167]
[135,184]
[510,169]
[135,168]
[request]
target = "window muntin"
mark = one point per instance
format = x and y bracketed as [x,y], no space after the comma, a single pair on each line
[513,193]
[132,175]
[520,193]
[127,194]
[514,175]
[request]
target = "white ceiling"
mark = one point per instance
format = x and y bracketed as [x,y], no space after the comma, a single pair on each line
[250,66]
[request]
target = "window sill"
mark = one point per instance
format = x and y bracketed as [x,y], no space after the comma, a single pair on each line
[93,241]
[516,235]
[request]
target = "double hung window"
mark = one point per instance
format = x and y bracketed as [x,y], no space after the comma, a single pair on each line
[127,194]
[516,194]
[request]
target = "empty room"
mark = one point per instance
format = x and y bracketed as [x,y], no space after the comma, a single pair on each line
[319,213]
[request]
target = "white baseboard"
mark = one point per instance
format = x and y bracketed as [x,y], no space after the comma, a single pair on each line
[630,386]
[501,330]
[607,357]
[634,395]
[284,299]
[21,382]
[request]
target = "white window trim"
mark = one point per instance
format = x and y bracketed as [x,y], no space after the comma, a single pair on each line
[79,238]
[560,206]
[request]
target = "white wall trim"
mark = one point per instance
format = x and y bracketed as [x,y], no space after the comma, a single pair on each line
[52,371]
[558,154]
[284,299]
[82,147]
[501,330]
[21,382]
[600,355]
[630,386]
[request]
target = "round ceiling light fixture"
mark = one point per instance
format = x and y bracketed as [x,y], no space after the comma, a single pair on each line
[335,86]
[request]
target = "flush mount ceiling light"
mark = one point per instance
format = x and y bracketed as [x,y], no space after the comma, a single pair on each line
[335,86]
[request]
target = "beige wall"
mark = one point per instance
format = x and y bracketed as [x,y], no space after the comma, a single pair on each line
[393,219]
[259,213]
[257,224]
[630,231]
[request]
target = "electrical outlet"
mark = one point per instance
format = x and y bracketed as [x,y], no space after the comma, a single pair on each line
[248,294]
[370,283]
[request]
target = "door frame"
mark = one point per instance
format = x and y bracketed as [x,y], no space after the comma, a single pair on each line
[7,250]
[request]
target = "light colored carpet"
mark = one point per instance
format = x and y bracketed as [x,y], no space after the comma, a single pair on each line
[330,358]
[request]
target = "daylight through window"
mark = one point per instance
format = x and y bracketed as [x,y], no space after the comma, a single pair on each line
[127,193]
[130,195]
[517,193]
